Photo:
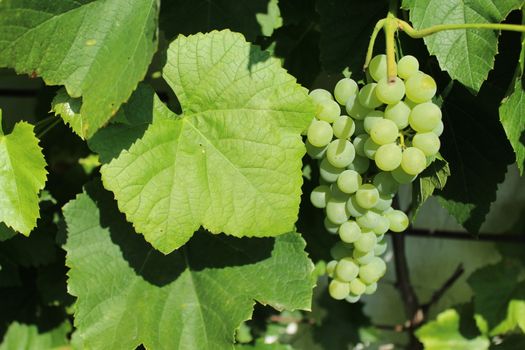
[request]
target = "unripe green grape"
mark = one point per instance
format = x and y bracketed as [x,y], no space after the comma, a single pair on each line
[341,250]
[360,164]
[349,231]
[320,94]
[402,177]
[386,184]
[357,287]
[319,196]
[382,225]
[343,127]
[438,130]
[427,142]
[330,268]
[367,196]
[371,288]
[319,133]
[413,161]
[373,271]
[398,113]
[329,172]
[328,110]
[355,109]
[384,131]
[380,247]
[340,153]
[367,96]
[336,211]
[369,220]
[330,227]
[346,270]
[366,242]
[349,181]
[338,290]
[315,152]
[353,208]
[388,157]
[398,220]
[371,119]
[390,92]
[370,148]
[407,66]
[359,143]
[420,87]
[425,117]
[352,298]
[377,67]
[362,258]
[345,88]
[384,202]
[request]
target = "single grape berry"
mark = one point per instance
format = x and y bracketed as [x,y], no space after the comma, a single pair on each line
[390,92]
[407,66]
[319,133]
[344,89]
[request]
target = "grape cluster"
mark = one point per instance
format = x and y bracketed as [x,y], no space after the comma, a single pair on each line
[390,135]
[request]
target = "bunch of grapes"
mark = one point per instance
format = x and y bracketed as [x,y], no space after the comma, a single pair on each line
[390,135]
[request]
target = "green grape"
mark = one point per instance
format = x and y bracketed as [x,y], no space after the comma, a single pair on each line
[398,220]
[353,208]
[349,181]
[382,226]
[390,92]
[370,148]
[359,142]
[329,172]
[319,133]
[349,231]
[386,184]
[319,196]
[363,257]
[341,250]
[369,220]
[367,96]
[371,119]
[343,127]
[424,117]
[413,161]
[345,88]
[338,290]
[336,211]
[357,287]
[420,87]
[398,113]
[384,131]
[384,202]
[346,270]
[402,177]
[380,247]
[360,164]
[371,288]
[407,66]
[340,153]
[337,194]
[438,130]
[373,271]
[328,110]
[388,157]
[315,152]
[352,298]
[320,94]
[359,127]
[330,226]
[366,242]
[367,196]
[355,109]
[377,67]
[427,142]
[330,268]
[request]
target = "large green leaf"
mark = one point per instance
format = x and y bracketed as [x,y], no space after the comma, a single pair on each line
[99,50]
[29,337]
[468,54]
[231,162]
[22,176]
[194,298]
[443,333]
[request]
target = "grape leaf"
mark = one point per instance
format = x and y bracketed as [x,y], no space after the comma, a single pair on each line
[443,333]
[194,298]
[468,54]
[5,232]
[24,336]
[231,162]
[432,178]
[99,50]
[22,176]
[503,307]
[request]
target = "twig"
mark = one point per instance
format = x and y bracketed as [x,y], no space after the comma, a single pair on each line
[490,237]
[441,290]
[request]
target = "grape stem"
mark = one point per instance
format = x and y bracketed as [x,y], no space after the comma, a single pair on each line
[370,52]
[417,34]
